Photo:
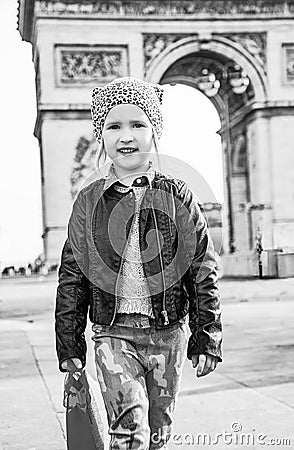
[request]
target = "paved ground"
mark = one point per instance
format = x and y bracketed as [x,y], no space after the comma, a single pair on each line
[247,400]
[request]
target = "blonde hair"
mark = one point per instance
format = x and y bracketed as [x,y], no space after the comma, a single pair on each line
[101,152]
[156,145]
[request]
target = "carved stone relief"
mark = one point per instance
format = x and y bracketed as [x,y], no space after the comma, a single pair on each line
[289,63]
[84,162]
[254,43]
[90,64]
[201,8]
[37,79]
[56,7]
[154,44]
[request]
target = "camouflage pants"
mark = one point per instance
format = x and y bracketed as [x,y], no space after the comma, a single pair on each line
[139,369]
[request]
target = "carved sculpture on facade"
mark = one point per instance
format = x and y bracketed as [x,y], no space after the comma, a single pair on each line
[37,79]
[289,63]
[154,44]
[76,65]
[254,43]
[50,7]
[202,8]
[84,162]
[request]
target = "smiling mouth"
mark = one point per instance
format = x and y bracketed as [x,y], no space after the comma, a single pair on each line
[127,150]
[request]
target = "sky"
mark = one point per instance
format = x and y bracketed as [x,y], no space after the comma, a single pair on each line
[191,123]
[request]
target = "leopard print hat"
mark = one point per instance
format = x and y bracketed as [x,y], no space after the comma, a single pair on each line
[146,95]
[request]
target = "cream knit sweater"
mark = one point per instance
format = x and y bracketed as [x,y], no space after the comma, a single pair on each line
[133,293]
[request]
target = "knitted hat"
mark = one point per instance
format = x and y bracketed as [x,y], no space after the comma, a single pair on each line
[128,90]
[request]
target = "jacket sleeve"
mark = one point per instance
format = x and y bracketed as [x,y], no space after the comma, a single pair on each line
[200,279]
[72,302]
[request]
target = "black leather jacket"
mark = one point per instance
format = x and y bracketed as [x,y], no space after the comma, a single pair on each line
[182,277]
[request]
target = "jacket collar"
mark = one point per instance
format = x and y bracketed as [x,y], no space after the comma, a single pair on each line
[111,177]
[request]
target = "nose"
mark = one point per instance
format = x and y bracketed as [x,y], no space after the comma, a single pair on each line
[126,135]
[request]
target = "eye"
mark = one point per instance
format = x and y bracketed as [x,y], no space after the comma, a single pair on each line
[113,127]
[138,125]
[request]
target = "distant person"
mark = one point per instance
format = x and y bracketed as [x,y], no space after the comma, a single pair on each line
[11,271]
[29,270]
[139,257]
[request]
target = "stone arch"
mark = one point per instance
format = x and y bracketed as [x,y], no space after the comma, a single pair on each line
[173,65]
[218,46]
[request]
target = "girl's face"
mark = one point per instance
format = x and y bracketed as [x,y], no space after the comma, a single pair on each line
[128,138]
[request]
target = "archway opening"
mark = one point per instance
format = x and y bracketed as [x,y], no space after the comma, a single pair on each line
[228,88]
[191,125]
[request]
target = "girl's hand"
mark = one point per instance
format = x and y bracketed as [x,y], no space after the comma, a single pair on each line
[72,365]
[206,364]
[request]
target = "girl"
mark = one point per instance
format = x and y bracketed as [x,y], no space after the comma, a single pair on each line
[139,257]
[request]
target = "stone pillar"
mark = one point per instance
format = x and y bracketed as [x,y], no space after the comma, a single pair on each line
[59,138]
[240,214]
[225,209]
[281,135]
[260,169]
